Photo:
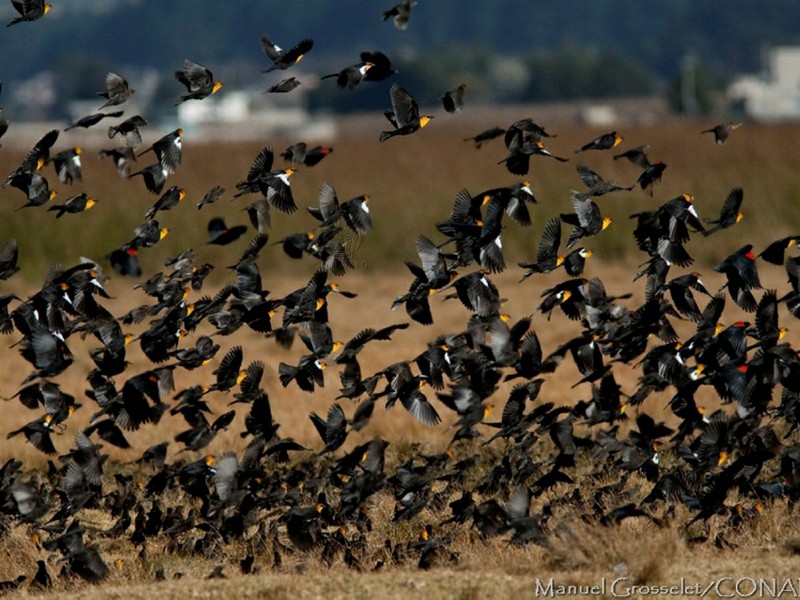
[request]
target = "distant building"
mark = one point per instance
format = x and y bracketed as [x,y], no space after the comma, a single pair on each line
[775,95]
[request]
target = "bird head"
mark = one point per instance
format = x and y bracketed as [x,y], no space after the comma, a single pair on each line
[424,120]
[606,222]
[90,202]
[216,87]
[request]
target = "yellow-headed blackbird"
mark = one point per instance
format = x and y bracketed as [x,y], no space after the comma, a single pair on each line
[404,114]
[774,252]
[117,90]
[586,219]
[197,80]
[167,201]
[67,164]
[602,142]
[349,77]
[35,159]
[29,10]
[722,131]
[283,60]
[730,214]
[75,204]
[168,150]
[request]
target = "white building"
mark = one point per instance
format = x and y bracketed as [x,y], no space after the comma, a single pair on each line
[775,95]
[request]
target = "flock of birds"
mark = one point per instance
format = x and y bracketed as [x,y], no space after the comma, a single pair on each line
[280,498]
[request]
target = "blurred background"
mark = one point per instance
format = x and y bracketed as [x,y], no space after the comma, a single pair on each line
[658,73]
[697,58]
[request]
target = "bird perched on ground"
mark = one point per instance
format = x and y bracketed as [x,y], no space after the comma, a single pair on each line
[722,131]
[283,60]
[349,77]
[29,10]
[117,90]
[602,142]
[453,100]
[729,214]
[400,13]
[404,114]
[198,80]
[92,119]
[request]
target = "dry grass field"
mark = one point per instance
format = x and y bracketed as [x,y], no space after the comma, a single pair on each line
[412,183]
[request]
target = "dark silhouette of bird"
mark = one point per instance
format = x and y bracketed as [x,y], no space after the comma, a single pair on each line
[198,81]
[93,119]
[399,13]
[602,142]
[453,100]
[29,10]
[117,90]
[404,114]
[729,214]
[722,131]
[349,77]
[283,86]
[284,59]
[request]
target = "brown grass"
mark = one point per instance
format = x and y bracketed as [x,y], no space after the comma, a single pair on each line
[413,183]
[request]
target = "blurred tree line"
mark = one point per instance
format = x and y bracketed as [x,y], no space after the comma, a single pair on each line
[505,50]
